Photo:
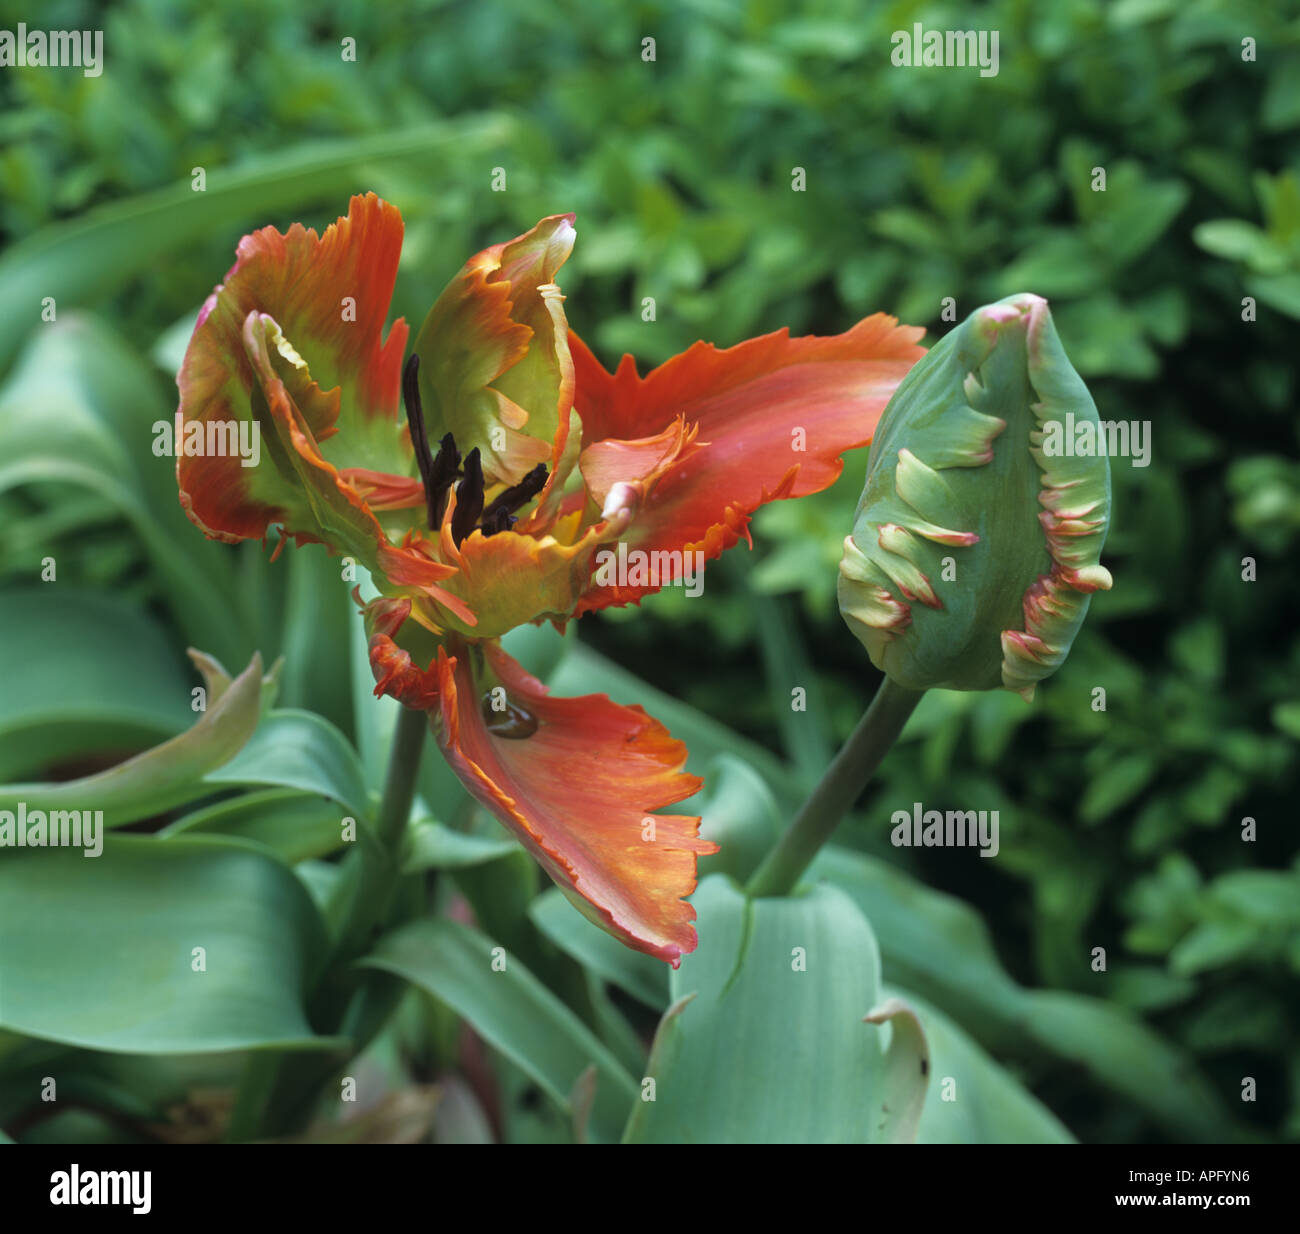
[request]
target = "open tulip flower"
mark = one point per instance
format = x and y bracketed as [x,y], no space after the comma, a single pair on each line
[479,477]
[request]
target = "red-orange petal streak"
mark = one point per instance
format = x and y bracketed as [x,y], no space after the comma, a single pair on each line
[773,416]
[330,295]
[579,793]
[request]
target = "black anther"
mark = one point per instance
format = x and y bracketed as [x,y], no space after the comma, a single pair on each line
[419,437]
[469,498]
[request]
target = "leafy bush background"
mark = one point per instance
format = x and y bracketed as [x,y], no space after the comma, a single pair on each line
[1120,829]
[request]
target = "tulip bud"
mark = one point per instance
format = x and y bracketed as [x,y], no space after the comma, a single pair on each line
[976,543]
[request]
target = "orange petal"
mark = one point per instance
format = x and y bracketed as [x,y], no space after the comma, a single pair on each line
[514,577]
[495,369]
[330,296]
[324,507]
[612,461]
[396,674]
[578,792]
[773,416]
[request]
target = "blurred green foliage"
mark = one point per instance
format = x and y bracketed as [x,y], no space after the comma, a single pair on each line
[1175,292]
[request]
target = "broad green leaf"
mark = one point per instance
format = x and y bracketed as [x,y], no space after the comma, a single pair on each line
[145,1088]
[1121,780]
[104,952]
[296,825]
[937,946]
[738,813]
[1238,240]
[1279,291]
[1214,944]
[319,617]
[296,749]
[908,1056]
[83,673]
[168,774]
[511,1010]
[169,348]
[1140,210]
[540,649]
[432,846]
[930,942]
[374,719]
[773,1047]
[972,1100]
[1059,263]
[614,1028]
[82,410]
[787,668]
[1122,1053]
[641,976]
[500,893]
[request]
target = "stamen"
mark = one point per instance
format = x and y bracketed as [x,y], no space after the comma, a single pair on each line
[439,473]
[419,437]
[496,520]
[469,498]
[446,467]
[517,495]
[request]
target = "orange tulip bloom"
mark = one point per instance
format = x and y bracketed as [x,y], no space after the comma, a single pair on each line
[519,473]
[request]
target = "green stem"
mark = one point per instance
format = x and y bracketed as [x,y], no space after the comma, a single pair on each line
[379,861]
[403,770]
[277,1092]
[837,790]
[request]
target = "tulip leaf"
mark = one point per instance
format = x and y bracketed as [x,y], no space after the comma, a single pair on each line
[739,814]
[1123,1054]
[296,749]
[433,846]
[511,1010]
[641,976]
[940,948]
[318,620]
[773,1047]
[82,410]
[374,719]
[83,672]
[298,826]
[929,942]
[167,775]
[157,947]
[907,1056]
[787,668]
[972,1100]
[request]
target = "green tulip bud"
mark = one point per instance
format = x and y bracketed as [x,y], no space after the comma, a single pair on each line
[976,543]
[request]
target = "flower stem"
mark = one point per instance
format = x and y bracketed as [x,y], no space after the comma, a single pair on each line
[837,790]
[278,1091]
[379,862]
[403,769]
